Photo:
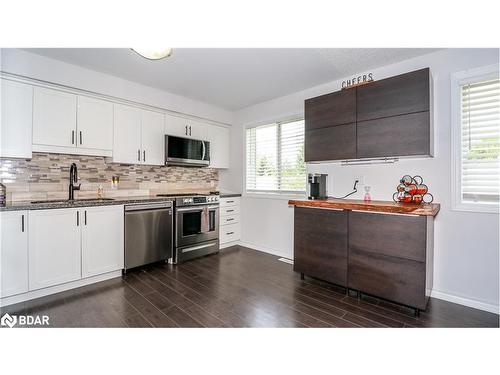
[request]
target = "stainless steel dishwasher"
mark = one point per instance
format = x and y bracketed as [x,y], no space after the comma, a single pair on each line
[148,233]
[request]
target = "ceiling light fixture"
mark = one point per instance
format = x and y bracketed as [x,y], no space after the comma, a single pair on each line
[153,53]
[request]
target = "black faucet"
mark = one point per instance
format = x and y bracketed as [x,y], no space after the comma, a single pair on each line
[73,178]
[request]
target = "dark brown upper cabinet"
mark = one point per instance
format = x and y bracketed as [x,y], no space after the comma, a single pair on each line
[333,109]
[333,143]
[399,95]
[387,118]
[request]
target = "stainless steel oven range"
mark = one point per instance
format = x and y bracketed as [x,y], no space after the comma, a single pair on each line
[196,226]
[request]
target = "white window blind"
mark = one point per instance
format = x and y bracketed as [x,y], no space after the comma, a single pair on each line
[275,158]
[480,141]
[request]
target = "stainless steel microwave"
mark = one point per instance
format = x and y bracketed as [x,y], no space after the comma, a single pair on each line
[186,152]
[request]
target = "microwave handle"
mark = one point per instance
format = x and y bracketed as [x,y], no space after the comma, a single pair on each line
[204,150]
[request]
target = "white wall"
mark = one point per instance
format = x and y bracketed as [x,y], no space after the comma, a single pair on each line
[466,244]
[31,65]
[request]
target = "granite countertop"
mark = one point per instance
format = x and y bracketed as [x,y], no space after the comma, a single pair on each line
[228,194]
[424,209]
[53,204]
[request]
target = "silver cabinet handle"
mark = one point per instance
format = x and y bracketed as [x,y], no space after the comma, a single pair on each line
[72,137]
[229,210]
[22,223]
[80,137]
[138,155]
[77,218]
[229,233]
[231,219]
[85,217]
[186,128]
[144,155]
[229,201]
[189,130]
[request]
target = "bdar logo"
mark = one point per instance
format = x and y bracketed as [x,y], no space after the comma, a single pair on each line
[8,320]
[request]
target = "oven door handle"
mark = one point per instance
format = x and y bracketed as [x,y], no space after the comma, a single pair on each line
[188,209]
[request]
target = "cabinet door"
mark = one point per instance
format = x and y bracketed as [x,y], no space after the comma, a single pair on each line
[177,126]
[127,135]
[406,93]
[95,123]
[320,244]
[13,253]
[17,120]
[102,240]
[332,109]
[405,135]
[54,118]
[153,138]
[54,247]
[218,137]
[333,143]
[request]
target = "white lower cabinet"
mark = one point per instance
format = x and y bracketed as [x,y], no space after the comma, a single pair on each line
[229,221]
[102,240]
[13,253]
[73,243]
[54,247]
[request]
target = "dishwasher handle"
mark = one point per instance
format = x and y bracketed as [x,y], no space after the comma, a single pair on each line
[149,206]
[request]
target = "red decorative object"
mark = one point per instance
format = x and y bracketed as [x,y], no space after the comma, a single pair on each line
[412,190]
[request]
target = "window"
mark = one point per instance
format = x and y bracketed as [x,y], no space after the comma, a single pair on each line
[476,139]
[275,158]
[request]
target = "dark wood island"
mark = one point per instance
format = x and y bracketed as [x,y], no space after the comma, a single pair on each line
[380,248]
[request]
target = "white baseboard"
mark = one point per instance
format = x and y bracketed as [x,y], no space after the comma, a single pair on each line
[435,293]
[264,249]
[466,302]
[58,288]
[228,244]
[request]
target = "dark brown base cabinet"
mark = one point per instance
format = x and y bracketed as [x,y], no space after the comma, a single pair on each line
[385,255]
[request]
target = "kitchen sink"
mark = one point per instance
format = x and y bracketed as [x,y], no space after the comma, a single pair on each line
[74,200]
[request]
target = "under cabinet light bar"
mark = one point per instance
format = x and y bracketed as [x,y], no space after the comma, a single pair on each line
[369,161]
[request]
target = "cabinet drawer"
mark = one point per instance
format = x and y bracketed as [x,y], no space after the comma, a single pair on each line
[229,210]
[229,219]
[396,279]
[393,235]
[404,135]
[229,233]
[233,201]
[333,143]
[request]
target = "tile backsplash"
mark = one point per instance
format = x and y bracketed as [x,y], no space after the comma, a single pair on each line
[46,176]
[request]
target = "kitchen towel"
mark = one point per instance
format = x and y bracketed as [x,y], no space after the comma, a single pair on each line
[205,220]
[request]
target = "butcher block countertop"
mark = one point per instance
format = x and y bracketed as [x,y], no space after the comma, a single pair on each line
[424,209]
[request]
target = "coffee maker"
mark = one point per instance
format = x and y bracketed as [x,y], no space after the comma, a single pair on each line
[316,187]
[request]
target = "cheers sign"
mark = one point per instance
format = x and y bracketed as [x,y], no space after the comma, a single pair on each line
[364,78]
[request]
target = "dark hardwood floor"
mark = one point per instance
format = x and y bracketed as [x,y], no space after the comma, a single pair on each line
[237,288]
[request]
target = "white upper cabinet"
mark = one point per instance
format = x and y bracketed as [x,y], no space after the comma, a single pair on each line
[73,124]
[127,135]
[176,126]
[102,240]
[54,247]
[54,118]
[95,123]
[153,138]
[13,253]
[17,119]
[218,137]
[139,136]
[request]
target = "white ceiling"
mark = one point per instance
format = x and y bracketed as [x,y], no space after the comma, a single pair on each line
[233,78]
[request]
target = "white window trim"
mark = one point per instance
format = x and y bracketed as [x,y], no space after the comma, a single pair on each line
[286,195]
[457,79]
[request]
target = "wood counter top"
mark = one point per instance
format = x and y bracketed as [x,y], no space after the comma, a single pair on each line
[424,209]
